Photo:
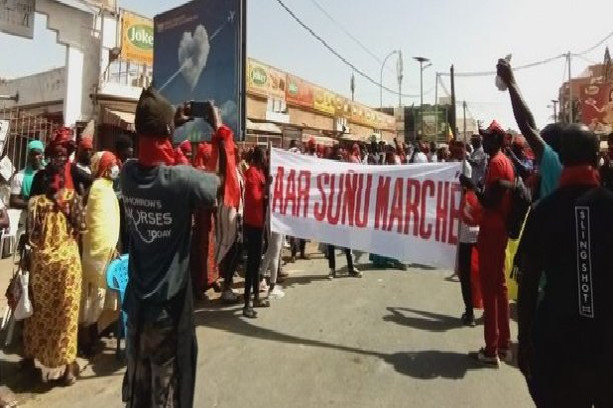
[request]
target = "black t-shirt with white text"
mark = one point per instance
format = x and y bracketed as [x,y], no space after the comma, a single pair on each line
[158,204]
[569,237]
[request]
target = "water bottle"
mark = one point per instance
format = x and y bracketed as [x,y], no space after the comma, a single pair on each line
[498,81]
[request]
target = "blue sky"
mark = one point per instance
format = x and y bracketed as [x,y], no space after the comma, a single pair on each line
[470,34]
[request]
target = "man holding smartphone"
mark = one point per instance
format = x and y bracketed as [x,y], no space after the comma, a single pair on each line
[159,199]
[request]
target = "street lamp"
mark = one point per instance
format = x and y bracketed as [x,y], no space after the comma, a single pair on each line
[553,106]
[381,74]
[422,60]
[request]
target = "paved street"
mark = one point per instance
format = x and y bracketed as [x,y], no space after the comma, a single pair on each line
[390,339]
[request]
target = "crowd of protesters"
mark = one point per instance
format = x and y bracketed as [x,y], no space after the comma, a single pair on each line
[190,216]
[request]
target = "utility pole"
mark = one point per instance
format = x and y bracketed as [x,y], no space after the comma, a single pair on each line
[436,105]
[352,85]
[453,97]
[570,88]
[400,74]
[554,103]
[464,122]
[381,77]
[422,60]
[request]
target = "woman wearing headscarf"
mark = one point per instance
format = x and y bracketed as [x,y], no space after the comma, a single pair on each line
[55,220]
[99,246]
[355,156]
[21,184]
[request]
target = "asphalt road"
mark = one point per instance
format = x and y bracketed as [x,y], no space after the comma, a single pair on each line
[390,339]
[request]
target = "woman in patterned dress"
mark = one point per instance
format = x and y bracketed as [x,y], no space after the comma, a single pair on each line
[99,248]
[55,219]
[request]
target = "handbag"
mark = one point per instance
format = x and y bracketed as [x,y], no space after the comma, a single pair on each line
[23,309]
[17,294]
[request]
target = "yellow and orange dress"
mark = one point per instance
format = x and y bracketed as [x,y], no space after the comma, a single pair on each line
[50,334]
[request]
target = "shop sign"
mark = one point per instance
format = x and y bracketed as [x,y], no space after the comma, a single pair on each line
[264,80]
[299,92]
[324,101]
[137,38]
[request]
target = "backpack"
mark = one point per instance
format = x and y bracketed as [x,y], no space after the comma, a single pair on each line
[520,199]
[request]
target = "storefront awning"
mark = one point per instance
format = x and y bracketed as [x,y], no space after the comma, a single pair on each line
[320,140]
[262,127]
[123,120]
[355,138]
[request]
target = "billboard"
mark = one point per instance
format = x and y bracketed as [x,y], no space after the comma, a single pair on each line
[137,38]
[596,108]
[199,55]
[433,122]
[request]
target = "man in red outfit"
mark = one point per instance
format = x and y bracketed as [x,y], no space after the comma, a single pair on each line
[492,241]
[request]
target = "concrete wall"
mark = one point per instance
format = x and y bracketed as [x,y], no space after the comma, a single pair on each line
[44,87]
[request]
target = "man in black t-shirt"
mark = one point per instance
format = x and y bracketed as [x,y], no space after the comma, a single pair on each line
[159,199]
[565,342]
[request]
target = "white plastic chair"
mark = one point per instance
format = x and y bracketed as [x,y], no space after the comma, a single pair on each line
[13,232]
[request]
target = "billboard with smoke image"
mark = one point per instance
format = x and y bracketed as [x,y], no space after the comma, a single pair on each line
[198,56]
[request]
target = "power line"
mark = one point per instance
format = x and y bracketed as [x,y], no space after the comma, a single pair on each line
[342,28]
[531,65]
[518,68]
[335,53]
[594,46]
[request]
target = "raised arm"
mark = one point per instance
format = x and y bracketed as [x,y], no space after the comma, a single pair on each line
[522,113]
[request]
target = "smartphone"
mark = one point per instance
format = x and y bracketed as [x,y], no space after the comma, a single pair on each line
[200,109]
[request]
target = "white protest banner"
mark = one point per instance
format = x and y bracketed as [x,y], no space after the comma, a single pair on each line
[408,212]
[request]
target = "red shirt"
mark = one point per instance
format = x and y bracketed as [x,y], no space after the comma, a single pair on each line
[231,183]
[499,168]
[255,183]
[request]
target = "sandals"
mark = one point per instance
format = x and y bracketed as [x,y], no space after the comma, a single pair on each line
[261,303]
[217,288]
[249,312]
[70,375]
[355,273]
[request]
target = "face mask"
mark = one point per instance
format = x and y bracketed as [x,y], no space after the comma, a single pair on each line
[114,172]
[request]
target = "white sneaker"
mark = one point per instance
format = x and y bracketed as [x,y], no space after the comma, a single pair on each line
[487,360]
[263,286]
[331,274]
[276,293]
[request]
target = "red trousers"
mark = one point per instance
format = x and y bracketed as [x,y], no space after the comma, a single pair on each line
[491,246]
[202,263]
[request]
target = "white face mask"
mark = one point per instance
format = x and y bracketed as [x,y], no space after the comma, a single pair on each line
[114,173]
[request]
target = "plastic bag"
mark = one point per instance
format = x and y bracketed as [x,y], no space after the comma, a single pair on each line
[23,310]
[512,284]
[498,81]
